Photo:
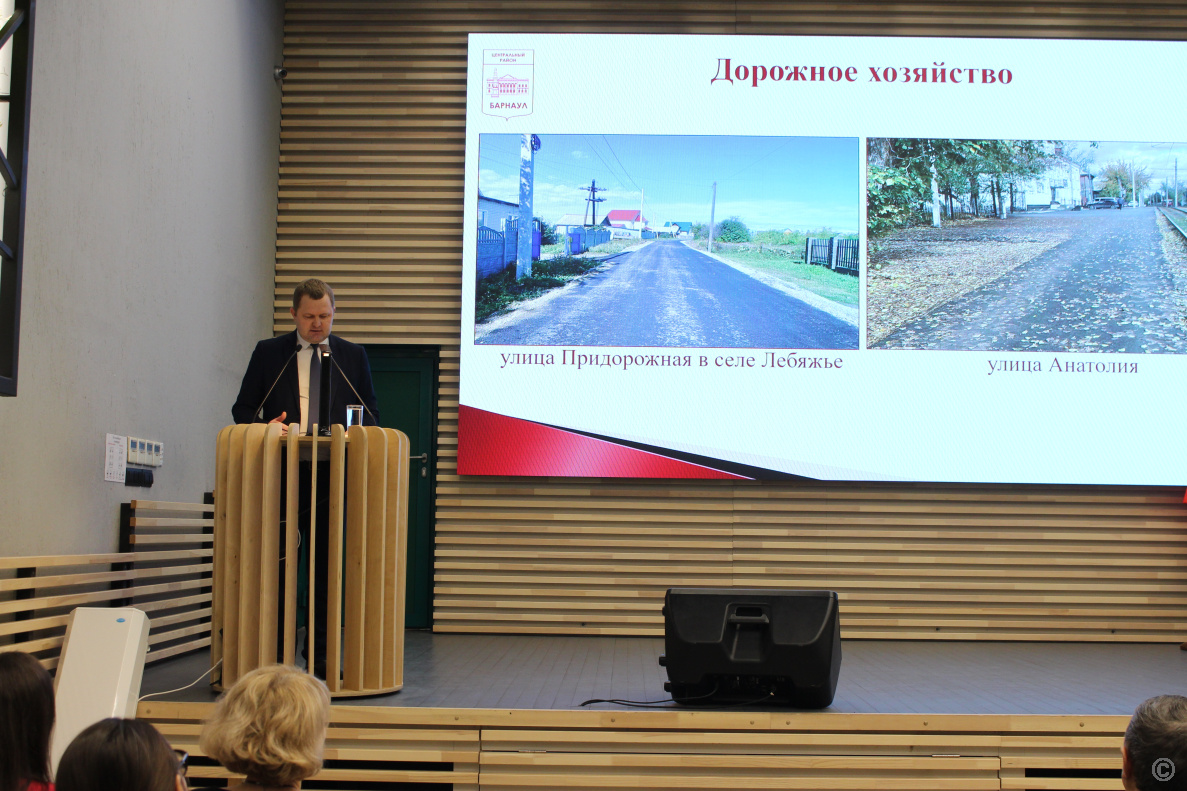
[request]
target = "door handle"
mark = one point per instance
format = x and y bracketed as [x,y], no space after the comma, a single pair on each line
[424,460]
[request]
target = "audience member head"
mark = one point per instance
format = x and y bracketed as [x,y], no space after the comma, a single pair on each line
[26,720]
[270,726]
[120,755]
[1154,754]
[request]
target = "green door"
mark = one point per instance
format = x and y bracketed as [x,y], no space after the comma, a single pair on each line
[406,386]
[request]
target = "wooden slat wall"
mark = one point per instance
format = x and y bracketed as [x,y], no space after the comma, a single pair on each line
[941,563]
[167,585]
[370,197]
[366,747]
[574,557]
[962,563]
[180,616]
[578,750]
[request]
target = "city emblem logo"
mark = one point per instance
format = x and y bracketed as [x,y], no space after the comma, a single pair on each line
[507,82]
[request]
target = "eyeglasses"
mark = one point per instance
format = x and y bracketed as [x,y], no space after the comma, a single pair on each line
[183,758]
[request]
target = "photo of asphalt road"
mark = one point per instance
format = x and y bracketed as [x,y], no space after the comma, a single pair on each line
[1025,245]
[666,294]
[1107,288]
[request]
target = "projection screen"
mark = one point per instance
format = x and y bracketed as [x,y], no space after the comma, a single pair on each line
[832,258]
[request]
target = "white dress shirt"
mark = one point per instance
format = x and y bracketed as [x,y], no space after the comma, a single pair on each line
[303,358]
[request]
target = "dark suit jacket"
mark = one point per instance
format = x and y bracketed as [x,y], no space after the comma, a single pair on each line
[266,363]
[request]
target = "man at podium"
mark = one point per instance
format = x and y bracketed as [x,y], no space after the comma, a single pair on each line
[308,377]
[285,374]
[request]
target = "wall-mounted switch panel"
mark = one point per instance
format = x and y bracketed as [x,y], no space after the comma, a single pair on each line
[145,452]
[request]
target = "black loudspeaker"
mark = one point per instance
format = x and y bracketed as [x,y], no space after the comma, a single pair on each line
[738,645]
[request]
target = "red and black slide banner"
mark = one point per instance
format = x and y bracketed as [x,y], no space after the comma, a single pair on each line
[492,444]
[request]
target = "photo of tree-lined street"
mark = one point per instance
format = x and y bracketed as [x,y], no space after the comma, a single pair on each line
[668,241]
[1026,245]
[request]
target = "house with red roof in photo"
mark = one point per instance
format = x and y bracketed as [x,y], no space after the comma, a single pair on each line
[627,218]
[629,223]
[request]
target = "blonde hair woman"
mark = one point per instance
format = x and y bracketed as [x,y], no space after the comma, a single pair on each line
[271,727]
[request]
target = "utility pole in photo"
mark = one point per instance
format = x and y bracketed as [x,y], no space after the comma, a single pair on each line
[642,222]
[935,197]
[935,189]
[528,146]
[591,203]
[712,215]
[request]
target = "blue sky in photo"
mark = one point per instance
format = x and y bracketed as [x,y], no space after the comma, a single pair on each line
[1157,158]
[802,183]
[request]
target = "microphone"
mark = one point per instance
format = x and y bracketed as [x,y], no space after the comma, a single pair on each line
[323,410]
[350,384]
[257,414]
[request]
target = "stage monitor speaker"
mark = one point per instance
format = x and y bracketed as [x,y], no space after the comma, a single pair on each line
[99,671]
[740,645]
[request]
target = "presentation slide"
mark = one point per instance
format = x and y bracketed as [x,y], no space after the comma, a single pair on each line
[828,258]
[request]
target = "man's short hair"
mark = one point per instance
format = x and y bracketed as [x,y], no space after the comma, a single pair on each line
[1156,742]
[314,289]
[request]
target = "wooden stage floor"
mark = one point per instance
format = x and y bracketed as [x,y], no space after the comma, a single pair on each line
[877,677]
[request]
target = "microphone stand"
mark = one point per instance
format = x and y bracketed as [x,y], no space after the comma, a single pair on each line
[259,410]
[353,390]
[323,411]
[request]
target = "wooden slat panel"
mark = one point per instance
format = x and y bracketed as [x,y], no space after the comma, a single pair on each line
[176,650]
[1011,19]
[355,548]
[251,532]
[812,773]
[501,748]
[166,522]
[61,583]
[396,562]
[90,578]
[371,197]
[157,625]
[151,539]
[1076,564]
[269,573]
[1060,763]
[189,614]
[52,561]
[378,753]
[291,505]
[40,644]
[823,742]
[335,549]
[161,505]
[182,619]
[98,596]
[46,561]
[377,604]
[231,495]
[222,507]
[34,624]
[195,630]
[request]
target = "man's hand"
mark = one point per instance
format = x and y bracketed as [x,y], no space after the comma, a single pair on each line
[284,427]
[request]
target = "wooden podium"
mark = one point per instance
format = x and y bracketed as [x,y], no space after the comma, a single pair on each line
[368,539]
